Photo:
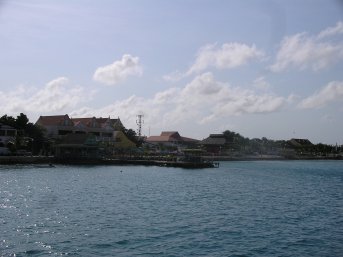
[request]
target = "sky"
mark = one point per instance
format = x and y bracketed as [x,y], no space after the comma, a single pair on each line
[262,68]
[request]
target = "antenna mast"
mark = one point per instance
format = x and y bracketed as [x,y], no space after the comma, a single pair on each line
[139,122]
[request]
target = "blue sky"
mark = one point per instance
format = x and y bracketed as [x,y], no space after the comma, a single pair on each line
[261,68]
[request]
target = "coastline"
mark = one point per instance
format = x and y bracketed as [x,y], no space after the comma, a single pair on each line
[209,161]
[14,160]
[51,161]
[270,158]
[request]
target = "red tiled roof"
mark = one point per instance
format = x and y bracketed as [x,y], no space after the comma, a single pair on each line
[51,120]
[85,121]
[169,133]
[187,139]
[158,139]
[88,121]
[170,136]
[58,120]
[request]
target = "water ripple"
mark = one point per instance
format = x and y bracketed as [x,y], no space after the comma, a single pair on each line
[240,209]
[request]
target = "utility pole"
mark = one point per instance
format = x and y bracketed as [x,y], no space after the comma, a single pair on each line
[139,122]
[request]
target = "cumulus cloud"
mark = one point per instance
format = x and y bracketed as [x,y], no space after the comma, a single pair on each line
[168,96]
[261,83]
[56,95]
[228,56]
[309,52]
[225,100]
[118,71]
[332,31]
[330,93]
[202,100]
[174,76]
[203,86]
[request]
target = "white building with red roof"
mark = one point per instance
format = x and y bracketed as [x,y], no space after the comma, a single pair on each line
[60,125]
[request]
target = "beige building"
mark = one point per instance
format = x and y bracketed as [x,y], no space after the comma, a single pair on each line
[60,125]
[106,132]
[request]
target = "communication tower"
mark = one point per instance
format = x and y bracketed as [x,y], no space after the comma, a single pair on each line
[139,122]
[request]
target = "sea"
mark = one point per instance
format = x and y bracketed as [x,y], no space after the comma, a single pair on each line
[253,208]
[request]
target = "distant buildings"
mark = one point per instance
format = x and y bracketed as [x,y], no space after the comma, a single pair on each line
[215,143]
[299,142]
[60,125]
[172,139]
[85,137]
[77,146]
[7,138]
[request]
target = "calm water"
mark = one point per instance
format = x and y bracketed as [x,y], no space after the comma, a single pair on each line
[274,208]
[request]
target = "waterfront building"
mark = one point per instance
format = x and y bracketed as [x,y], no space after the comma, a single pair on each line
[7,138]
[60,125]
[214,144]
[65,132]
[75,146]
[172,139]
[299,142]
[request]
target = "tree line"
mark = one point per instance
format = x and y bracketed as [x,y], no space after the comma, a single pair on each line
[239,144]
[30,137]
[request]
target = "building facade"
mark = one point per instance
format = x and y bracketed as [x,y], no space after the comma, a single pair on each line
[7,138]
[214,144]
[105,132]
[60,125]
[7,134]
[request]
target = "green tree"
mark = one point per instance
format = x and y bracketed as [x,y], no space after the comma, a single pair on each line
[29,137]
[131,134]
[21,121]
[8,120]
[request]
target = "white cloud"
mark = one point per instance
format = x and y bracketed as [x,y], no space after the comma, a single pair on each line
[202,100]
[118,71]
[261,83]
[174,76]
[309,52]
[224,100]
[228,56]
[56,95]
[202,86]
[330,93]
[332,31]
[168,96]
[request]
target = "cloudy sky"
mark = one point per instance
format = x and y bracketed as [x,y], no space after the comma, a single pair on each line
[260,68]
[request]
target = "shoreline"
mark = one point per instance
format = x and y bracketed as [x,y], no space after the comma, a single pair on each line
[210,161]
[271,158]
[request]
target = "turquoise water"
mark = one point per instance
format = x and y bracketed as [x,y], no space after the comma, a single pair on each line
[274,208]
